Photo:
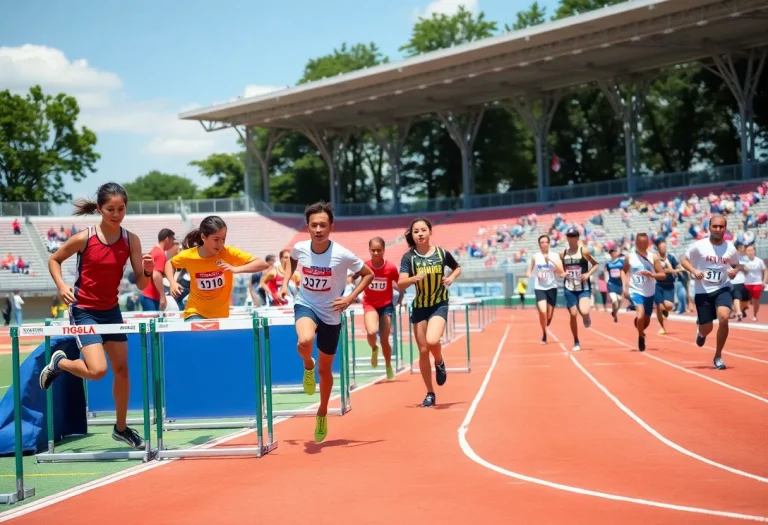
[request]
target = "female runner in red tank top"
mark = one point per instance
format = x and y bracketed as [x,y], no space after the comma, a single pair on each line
[272,281]
[378,307]
[102,252]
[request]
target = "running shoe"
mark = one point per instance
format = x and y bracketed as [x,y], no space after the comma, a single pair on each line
[51,370]
[700,339]
[321,428]
[429,401]
[390,373]
[440,373]
[641,343]
[719,363]
[128,436]
[309,380]
[544,339]
[615,315]
[375,357]
[576,347]
[662,331]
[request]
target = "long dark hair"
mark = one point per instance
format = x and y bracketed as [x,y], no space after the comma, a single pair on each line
[103,194]
[208,226]
[409,232]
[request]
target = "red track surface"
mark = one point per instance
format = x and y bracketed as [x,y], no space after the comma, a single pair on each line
[540,415]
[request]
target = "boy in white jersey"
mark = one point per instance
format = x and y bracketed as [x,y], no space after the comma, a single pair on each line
[712,263]
[320,300]
[639,275]
[545,285]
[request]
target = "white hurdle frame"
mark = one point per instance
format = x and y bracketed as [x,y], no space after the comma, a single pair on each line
[414,369]
[126,328]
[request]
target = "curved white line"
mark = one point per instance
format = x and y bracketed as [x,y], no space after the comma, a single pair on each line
[471,454]
[673,365]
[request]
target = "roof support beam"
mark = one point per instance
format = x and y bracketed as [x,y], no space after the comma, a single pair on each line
[263,157]
[627,108]
[537,113]
[332,148]
[463,130]
[743,91]
[392,140]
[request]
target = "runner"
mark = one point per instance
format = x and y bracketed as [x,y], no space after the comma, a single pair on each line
[102,253]
[545,285]
[755,279]
[210,264]
[319,302]
[640,273]
[272,281]
[615,286]
[664,298]
[424,265]
[712,263]
[576,285]
[378,304]
[739,291]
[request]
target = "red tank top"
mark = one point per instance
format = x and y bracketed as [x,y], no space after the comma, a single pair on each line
[99,271]
[274,286]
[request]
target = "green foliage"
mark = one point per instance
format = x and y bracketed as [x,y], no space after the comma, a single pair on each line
[343,60]
[160,186]
[227,171]
[441,31]
[41,146]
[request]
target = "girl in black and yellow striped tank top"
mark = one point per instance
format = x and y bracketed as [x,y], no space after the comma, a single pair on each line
[424,266]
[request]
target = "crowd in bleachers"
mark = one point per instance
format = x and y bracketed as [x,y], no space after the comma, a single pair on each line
[54,239]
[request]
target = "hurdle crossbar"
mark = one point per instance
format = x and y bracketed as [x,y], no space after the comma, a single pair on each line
[126,328]
[394,358]
[263,396]
[460,369]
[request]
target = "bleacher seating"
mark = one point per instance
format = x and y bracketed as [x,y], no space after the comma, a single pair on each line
[21,246]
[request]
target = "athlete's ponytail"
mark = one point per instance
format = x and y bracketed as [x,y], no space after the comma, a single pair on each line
[208,226]
[103,194]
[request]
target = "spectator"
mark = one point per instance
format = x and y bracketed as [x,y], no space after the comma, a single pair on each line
[18,304]
[16,227]
[153,296]
[7,311]
[258,293]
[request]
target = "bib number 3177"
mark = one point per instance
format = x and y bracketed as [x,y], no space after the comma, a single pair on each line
[315,284]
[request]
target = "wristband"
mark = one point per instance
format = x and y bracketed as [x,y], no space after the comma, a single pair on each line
[147,274]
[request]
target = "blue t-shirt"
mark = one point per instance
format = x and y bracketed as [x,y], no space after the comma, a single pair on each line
[614,271]
[669,281]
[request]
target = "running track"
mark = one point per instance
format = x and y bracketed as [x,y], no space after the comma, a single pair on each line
[607,435]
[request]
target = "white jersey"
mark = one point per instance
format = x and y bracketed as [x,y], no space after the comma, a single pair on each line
[755,269]
[739,279]
[641,284]
[543,272]
[323,277]
[714,262]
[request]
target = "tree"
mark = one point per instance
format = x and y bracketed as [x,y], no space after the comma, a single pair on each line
[160,186]
[534,16]
[40,145]
[343,60]
[227,171]
[441,31]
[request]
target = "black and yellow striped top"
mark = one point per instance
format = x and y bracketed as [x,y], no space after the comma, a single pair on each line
[430,291]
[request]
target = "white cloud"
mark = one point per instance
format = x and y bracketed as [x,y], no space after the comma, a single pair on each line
[445,7]
[105,107]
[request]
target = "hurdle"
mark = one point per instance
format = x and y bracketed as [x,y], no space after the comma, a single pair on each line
[263,402]
[461,369]
[344,373]
[22,492]
[396,355]
[131,328]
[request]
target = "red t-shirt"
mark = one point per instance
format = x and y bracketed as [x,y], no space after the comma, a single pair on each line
[150,292]
[380,292]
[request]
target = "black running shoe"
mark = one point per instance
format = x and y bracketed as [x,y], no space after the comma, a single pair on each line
[700,339]
[429,401]
[51,370]
[641,343]
[440,373]
[615,317]
[128,436]
[544,339]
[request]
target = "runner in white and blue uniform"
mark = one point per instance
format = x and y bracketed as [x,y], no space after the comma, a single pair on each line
[712,263]
[543,268]
[576,285]
[738,290]
[640,273]
[665,288]
[615,287]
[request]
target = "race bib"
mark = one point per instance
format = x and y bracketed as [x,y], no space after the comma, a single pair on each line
[712,275]
[639,279]
[615,273]
[316,279]
[545,275]
[378,285]
[209,280]
[574,274]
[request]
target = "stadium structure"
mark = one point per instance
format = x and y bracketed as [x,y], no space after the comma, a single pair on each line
[625,43]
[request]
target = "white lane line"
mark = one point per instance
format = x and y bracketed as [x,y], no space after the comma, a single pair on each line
[471,454]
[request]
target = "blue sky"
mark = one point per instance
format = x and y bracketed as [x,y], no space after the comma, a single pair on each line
[135,65]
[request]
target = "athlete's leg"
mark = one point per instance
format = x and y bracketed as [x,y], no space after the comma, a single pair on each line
[92,366]
[723,313]
[306,328]
[585,305]
[425,366]
[121,387]
[325,371]
[543,307]
[371,321]
[756,293]
[385,324]
[574,311]
[327,343]
[435,330]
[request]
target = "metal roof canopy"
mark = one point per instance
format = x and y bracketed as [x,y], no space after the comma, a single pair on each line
[614,42]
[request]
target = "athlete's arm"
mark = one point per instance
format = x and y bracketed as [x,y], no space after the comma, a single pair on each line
[173,285]
[254,265]
[288,269]
[686,263]
[455,269]
[625,277]
[73,245]
[659,274]
[143,265]
[595,266]
[266,277]
[736,265]
[367,277]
